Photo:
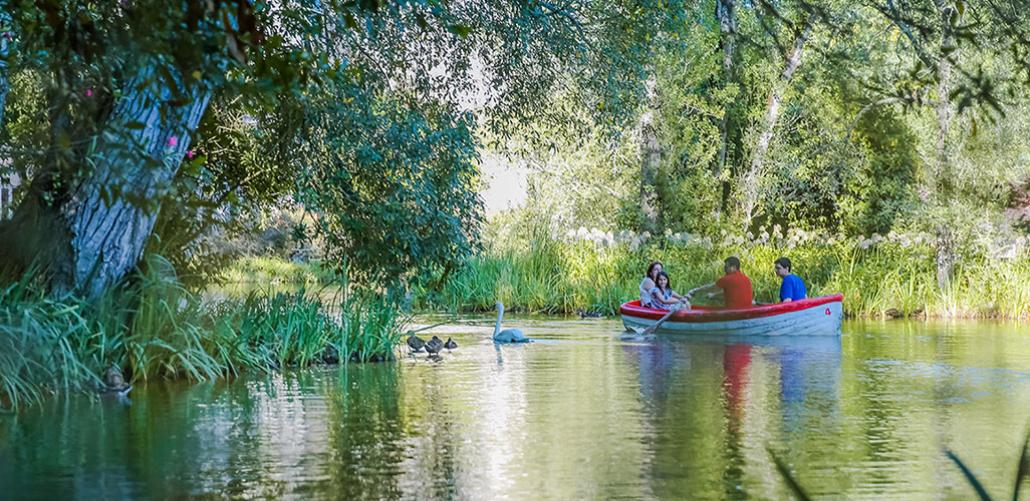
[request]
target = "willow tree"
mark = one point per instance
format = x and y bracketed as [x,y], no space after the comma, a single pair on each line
[129,82]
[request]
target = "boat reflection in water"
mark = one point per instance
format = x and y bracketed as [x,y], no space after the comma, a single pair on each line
[765,391]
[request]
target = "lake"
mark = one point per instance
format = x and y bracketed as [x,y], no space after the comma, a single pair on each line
[580,414]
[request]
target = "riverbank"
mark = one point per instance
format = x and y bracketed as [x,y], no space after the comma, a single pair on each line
[880,280]
[266,270]
[879,277]
[157,329]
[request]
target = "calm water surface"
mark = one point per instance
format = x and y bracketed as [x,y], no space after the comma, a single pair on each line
[582,414]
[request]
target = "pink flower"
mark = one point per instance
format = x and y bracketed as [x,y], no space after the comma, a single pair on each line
[173,141]
[190,154]
[89,92]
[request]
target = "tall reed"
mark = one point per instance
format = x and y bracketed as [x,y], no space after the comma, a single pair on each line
[554,275]
[152,327]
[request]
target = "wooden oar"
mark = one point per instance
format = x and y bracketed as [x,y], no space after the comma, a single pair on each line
[653,327]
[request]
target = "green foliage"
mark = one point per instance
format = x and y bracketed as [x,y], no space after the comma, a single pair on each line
[272,270]
[371,328]
[154,328]
[855,149]
[40,346]
[231,176]
[882,190]
[375,95]
[539,271]
[394,185]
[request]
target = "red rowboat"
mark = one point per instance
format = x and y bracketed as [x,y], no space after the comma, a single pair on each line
[815,316]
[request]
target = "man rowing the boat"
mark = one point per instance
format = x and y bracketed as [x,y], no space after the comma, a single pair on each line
[734,286]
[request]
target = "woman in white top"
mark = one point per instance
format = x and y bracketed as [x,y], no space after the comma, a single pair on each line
[648,283]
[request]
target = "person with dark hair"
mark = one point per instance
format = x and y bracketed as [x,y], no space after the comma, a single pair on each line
[792,288]
[734,286]
[663,297]
[648,283]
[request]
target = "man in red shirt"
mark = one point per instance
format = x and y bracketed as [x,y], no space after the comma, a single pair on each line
[735,286]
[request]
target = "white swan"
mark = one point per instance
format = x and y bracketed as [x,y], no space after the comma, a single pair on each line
[507,335]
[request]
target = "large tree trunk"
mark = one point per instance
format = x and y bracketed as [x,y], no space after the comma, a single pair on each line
[943,181]
[96,230]
[6,38]
[752,179]
[650,160]
[725,12]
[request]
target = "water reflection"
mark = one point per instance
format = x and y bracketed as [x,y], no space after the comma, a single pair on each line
[721,415]
[582,414]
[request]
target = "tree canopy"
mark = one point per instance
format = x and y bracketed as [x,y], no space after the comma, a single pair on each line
[142,126]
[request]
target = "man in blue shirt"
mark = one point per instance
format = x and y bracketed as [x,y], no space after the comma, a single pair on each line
[793,288]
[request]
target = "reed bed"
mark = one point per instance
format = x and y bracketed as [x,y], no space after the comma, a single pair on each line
[155,328]
[879,278]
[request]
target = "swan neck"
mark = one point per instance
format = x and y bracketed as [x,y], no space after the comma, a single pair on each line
[500,314]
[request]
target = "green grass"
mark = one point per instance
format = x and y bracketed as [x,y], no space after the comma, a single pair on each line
[562,276]
[154,328]
[274,270]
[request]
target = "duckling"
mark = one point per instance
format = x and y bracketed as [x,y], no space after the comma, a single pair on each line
[415,343]
[450,344]
[433,346]
[330,355]
[589,314]
[114,383]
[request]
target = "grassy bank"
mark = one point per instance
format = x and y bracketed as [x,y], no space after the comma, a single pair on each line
[156,329]
[276,271]
[893,276]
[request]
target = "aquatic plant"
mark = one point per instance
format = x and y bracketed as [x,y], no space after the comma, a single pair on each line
[1022,471]
[880,276]
[152,327]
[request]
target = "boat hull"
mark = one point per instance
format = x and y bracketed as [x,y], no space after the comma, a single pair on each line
[820,316]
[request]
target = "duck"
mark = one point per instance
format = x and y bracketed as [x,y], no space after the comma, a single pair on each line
[114,383]
[416,343]
[507,335]
[589,314]
[330,355]
[450,344]
[434,345]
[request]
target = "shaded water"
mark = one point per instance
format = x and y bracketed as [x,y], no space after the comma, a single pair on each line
[580,414]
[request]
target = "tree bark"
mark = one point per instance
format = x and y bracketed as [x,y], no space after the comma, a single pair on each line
[753,177]
[96,229]
[725,12]
[651,157]
[943,182]
[6,37]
